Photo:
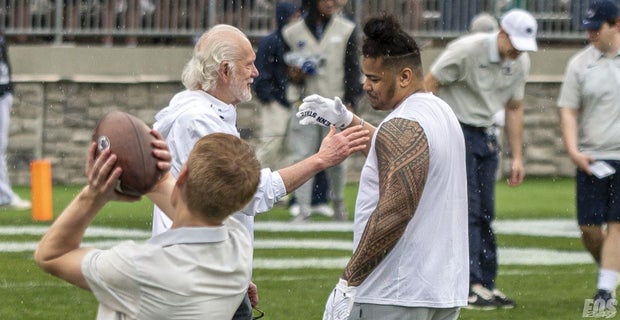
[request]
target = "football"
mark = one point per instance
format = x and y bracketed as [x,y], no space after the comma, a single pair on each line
[130,140]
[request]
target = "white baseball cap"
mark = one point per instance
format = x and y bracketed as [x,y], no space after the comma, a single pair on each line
[521,28]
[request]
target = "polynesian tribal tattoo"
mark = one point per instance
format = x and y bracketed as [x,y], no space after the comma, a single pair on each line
[403,160]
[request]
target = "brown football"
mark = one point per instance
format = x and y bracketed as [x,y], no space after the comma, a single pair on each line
[130,140]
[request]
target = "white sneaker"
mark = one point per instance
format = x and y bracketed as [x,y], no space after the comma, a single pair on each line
[323,209]
[19,204]
[294,210]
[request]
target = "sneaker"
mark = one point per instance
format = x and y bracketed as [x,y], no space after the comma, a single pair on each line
[481,298]
[18,204]
[302,213]
[502,300]
[294,210]
[606,300]
[603,294]
[300,218]
[323,209]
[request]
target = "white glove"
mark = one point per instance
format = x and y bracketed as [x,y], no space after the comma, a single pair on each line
[340,302]
[323,111]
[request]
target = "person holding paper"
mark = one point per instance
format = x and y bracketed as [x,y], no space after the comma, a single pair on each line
[589,115]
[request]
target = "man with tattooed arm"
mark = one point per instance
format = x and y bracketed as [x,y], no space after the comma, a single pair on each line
[410,258]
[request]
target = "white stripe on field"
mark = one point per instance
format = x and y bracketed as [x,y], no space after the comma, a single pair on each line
[310,263]
[304,244]
[31,246]
[530,227]
[543,227]
[285,226]
[507,256]
[4,284]
[90,232]
[533,256]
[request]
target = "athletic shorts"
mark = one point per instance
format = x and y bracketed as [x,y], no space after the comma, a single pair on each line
[598,200]
[390,312]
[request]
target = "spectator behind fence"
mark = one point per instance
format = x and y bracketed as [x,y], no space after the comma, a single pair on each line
[456,15]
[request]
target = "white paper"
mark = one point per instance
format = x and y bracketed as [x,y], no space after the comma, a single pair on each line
[601,169]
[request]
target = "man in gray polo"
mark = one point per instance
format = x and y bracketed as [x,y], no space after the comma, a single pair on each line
[589,104]
[478,75]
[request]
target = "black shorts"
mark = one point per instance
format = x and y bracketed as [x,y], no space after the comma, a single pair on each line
[598,200]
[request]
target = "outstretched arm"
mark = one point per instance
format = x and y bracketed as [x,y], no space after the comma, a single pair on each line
[403,159]
[59,251]
[334,148]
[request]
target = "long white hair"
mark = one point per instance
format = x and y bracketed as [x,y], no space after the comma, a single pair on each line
[220,43]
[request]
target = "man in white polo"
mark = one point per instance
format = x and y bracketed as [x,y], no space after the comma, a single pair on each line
[478,75]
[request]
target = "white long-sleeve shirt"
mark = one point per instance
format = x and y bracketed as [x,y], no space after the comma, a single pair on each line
[191,115]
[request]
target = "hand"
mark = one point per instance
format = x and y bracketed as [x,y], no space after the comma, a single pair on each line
[517,173]
[582,161]
[336,147]
[161,152]
[253,294]
[340,302]
[103,176]
[318,110]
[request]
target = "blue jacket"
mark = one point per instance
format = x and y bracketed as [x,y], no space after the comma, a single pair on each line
[272,80]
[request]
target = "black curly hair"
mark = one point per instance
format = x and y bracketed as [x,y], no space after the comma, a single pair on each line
[384,38]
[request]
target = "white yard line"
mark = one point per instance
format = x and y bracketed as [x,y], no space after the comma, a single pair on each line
[507,256]
[90,232]
[543,227]
[530,227]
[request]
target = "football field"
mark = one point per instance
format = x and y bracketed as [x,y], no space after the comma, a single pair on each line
[542,263]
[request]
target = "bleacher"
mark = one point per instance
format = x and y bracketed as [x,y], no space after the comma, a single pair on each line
[134,22]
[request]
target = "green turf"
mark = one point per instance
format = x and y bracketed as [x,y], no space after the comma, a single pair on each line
[536,198]
[542,292]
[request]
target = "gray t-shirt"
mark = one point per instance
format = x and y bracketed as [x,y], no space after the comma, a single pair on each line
[592,86]
[475,82]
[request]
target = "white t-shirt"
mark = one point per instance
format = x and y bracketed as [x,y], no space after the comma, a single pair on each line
[185,273]
[429,266]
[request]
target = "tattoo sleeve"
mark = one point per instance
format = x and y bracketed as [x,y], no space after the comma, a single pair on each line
[403,160]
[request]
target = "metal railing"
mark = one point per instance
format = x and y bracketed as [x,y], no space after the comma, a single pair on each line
[81,20]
